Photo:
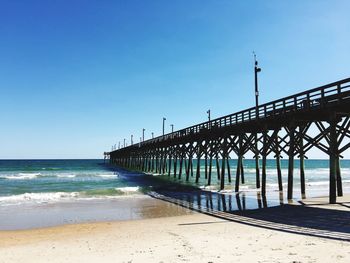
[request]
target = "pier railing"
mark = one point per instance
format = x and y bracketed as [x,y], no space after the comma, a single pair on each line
[255,130]
[321,97]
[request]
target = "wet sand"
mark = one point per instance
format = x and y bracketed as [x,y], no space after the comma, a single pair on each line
[317,233]
[28,216]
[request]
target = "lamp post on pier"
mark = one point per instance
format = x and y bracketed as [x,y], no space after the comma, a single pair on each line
[208,112]
[131,141]
[164,119]
[256,71]
[256,152]
[143,134]
[152,135]
[124,142]
[118,145]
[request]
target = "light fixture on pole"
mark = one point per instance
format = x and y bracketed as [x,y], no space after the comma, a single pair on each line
[152,135]
[256,71]
[172,128]
[131,140]
[143,134]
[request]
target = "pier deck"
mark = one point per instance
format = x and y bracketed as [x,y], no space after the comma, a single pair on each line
[275,128]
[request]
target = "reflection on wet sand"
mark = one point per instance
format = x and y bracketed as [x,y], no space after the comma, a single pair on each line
[205,201]
[271,212]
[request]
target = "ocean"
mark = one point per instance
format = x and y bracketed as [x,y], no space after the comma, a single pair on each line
[36,181]
[49,184]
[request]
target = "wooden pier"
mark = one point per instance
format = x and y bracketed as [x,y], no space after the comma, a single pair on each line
[280,127]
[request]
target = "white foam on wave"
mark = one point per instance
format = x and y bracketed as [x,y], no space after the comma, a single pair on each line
[128,189]
[275,184]
[66,175]
[54,197]
[318,183]
[21,176]
[107,175]
[37,197]
[28,176]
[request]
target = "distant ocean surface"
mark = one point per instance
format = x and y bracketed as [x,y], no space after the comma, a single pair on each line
[51,181]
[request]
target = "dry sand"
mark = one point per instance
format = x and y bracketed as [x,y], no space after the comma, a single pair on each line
[192,238]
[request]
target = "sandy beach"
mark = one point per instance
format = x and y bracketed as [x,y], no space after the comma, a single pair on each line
[278,234]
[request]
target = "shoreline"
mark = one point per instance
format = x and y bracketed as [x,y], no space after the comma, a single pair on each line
[45,215]
[193,237]
[34,215]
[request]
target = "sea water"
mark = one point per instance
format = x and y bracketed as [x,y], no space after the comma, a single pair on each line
[36,193]
[42,181]
[23,181]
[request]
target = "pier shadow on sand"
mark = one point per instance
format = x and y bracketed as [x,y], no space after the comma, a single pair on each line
[251,208]
[276,215]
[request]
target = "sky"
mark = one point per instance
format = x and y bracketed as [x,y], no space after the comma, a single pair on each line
[78,76]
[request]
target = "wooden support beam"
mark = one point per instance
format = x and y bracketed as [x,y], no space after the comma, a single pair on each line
[240,145]
[191,166]
[224,156]
[238,173]
[344,130]
[156,163]
[228,169]
[257,170]
[263,188]
[301,158]
[222,177]
[169,163]
[206,165]
[198,171]
[291,162]
[242,171]
[278,164]
[333,152]
[217,166]
[175,165]
[164,162]
[181,161]
[187,168]
[210,169]
[339,180]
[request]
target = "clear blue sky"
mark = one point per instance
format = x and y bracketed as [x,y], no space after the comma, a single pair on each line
[79,76]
